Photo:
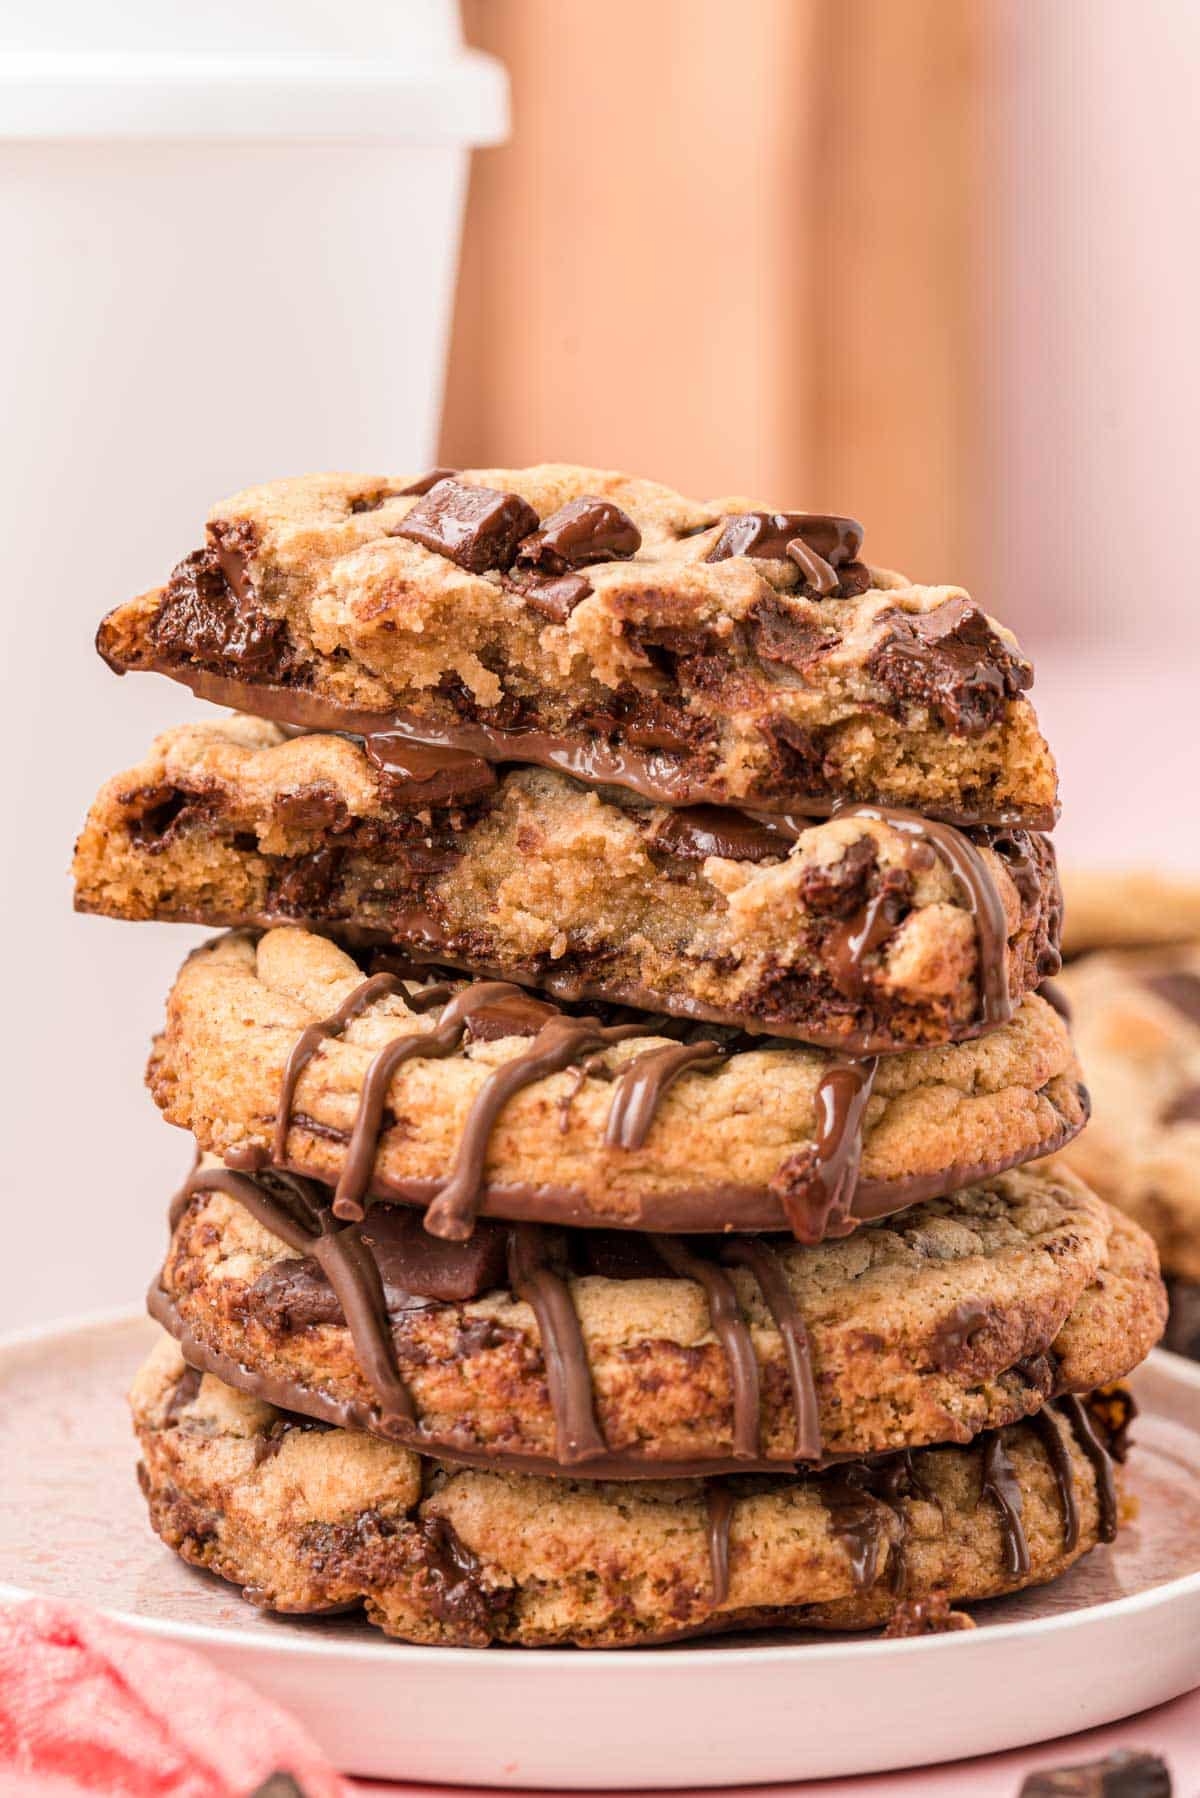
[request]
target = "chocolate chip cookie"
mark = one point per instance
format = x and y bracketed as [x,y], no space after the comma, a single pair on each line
[617,1356]
[871,932]
[476,1098]
[695,653]
[309,1519]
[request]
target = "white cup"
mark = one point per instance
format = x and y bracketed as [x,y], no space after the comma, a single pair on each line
[231,235]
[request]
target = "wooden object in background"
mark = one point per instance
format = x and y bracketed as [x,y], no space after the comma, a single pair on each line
[733,246]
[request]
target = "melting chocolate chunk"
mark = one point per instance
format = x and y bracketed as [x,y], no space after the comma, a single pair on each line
[1128,1773]
[412,775]
[555,596]
[202,619]
[410,1261]
[307,884]
[821,541]
[476,527]
[952,661]
[425,482]
[518,1014]
[782,635]
[1180,989]
[585,530]
[454,1589]
[313,808]
[697,831]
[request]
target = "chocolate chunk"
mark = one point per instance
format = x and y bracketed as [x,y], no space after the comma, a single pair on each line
[838,889]
[1184,1109]
[514,1016]
[202,620]
[930,1616]
[1129,1773]
[454,1589]
[307,883]
[769,535]
[425,482]
[951,660]
[412,775]
[155,815]
[798,756]
[781,635]
[279,1785]
[697,831]
[555,596]
[476,527]
[318,810]
[583,531]
[1180,989]
[411,1261]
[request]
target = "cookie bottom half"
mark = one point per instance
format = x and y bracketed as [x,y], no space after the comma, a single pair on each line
[313,1519]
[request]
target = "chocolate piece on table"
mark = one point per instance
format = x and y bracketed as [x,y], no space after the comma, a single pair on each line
[1127,1773]
[477,527]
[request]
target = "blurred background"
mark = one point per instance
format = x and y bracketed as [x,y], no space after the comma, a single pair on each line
[929,262]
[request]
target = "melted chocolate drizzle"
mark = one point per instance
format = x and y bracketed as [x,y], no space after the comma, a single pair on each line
[568,1375]
[760,1259]
[639,1088]
[1046,1424]
[1084,1431]
[719,1503]
[819,1204]
[1001,1485]
[731,1331]
[968,867]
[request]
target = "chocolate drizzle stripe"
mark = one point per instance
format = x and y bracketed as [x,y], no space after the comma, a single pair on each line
[857,1517]
[968,867]
[568,1374]
[1001,1485]
[641,1084]
[1090,1444]
[1062,1467]
[760,1259]
[718,1504]
[654,775]
[822,1203]
[558,1043]
[732,1333]
[310,1040]
[347,1263]
[437,1043]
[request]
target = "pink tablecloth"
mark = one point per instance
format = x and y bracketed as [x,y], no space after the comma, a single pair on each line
[1172,1730]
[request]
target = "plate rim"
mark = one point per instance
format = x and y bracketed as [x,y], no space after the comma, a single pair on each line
[386,1652]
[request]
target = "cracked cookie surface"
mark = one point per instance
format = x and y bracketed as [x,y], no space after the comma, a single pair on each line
[933,1119]
[852,933]
[316,1520]
[958,1315]
[687,652]
[1136,1017]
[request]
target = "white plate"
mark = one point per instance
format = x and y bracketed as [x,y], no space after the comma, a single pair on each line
[1120,1632]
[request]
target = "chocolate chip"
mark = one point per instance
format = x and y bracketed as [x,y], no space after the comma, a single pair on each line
[425,482]
[454,1589]
[476,527]
[782,635]
[555,596]
[202,620]
[186,1388]
[585,530]
[305,887]
[698,831]
[412,775]
[836,889]
[1128,1773]
[314,809]
[951,660]
[831,540]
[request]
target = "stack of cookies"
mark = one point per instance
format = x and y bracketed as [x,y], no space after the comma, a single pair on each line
[620,1092]
[1132,985]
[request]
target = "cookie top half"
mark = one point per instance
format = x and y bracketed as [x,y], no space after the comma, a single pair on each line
[695,652]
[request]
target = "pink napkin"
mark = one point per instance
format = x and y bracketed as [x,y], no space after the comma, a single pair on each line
[87,1707]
